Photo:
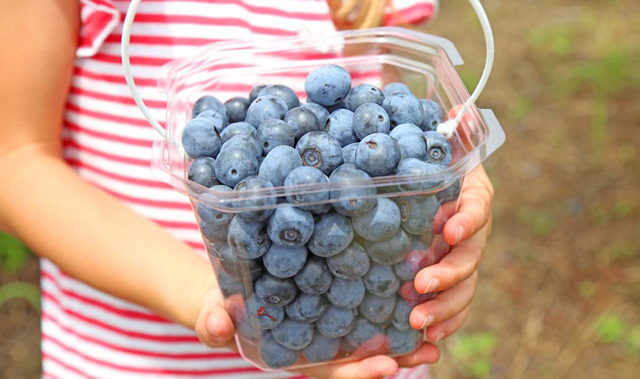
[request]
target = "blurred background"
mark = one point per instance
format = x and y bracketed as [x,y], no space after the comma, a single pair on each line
[559,290]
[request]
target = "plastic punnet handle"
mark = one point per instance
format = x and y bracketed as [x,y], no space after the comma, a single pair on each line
[159,166]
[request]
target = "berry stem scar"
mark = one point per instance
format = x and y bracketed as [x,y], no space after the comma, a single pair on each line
[263,312]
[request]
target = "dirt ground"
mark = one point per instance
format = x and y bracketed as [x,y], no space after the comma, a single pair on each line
[559,291]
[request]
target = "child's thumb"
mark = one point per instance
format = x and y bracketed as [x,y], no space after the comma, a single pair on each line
[215,327]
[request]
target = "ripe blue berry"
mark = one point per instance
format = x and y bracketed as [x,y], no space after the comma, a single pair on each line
[336,322]
[340,126]
[277,165]
[438,148]
[322,114]
[206,103]
[381,280]
[403,341]
[396,87]
[377,309]
[290,226]
[248,239]
[302,120]
[378,154]
[332,234]
[315,277]
[351,263]
[273,133]
[259,193]
[403,108]
[432,114]
[237,128]
[275,291]
[201,139]
[391,251]
[380,222]
[282,91]
[274,354]
[233,165]
[264,108]
[354,193]
[321,349]
[328,85]
[320,150]
[237,108]
[202,171]
[284,262]
[349,153]
[305,176]
[363,94]
[346,293]
[292,334]
[306,308]
[417,213]
[370,118]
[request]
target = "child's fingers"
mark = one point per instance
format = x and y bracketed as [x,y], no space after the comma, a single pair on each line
[444,329]
[376,367]
[215,328]
[426,354]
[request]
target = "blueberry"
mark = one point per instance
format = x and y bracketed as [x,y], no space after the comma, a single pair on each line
[335,107]
[391,251]
[201,139]
[405,270]
[378,154]
[332,234]
[346,347]
[275,291]
[262,315]
[351,263]
[264,108]
[294,335]
[315,277]
[290,226]
[403,341]
[306,308]
[406,129]
[321,349]
[438,148]
[336,322]
[417,213]
[260,193]
[302,120]
[202,171]
[245,329]
[328,85]
[450,193]
[320,150]
[273,133]
[396,87]
[248,239]
[432,114]
[363,332]
[237,128]
[370,118]
[401,315]
[284,262]
[380,222]
[214,232]
[274,354]
[354,190]
[403,108]
[254,92]
[322,114]
[415,169]
[306,176]
[363,94]
[346,293]
[219,120]
[381,280]
[243,141]
[349,153]
[233,165]
[377,309]
[234,265]
[206,103]
[340,126]
[282,91]
[237,108]
[411,296]
[229,285]
[412,146]
[279,163]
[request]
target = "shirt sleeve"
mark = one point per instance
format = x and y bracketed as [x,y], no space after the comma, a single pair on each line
[98,19]
[402,12]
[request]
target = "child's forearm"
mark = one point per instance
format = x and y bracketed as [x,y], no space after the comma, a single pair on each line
[96,239]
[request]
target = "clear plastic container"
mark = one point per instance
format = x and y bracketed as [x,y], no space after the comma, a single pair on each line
[375,56]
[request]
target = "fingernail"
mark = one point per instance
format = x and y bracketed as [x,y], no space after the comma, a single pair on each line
[432,284]
[427,321]
[439,337]
[459,233]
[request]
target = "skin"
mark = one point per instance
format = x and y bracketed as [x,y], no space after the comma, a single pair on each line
[161,273]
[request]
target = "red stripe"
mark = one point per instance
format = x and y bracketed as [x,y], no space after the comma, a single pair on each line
[122,99]
[119,79]
[113,137]
[148,202]
[121,178]
[104,3]
[410,15]
[161,40]
[109,116]
[46,356]
[72,143]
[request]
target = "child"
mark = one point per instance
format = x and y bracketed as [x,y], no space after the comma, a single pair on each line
[74,153]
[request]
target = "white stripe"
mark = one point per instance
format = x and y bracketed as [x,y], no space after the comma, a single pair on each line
[133,171]
[122,149]
[53,368]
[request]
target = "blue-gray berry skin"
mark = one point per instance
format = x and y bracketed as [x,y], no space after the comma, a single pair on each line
[401,314]
[248,239]
[396,87]
[206,103]
[364,331]
[363,94]
[349,153]
[403,130]
[450,193]
[332,234]
[417,213]
[201,139]
[328,85]
[245,329]
[406,270]
[235,129]
[290,226]
[354,193]
[229,285]
[202,171]
[378,154]
[214,232]
[292,334]
[403,341]
[237,108]
[346,293]
[214,217]
[370,118]
[403,108]
[438,148]
[233,165]
[219,120]
[277,165]
[377,309]
[336,322]
[275,355]
[234,265]
[345,347]
[253,94]
[321,349]
[322,114]
[275,291]
[415,168]
[432,114]
[412,146]
[315,277]
[243,141]
[262,315]
[306,176]
[379,223]
[381,280]
[259,193]
[320,150]
[351,263]
[264,108]
[340,126]
[282,91]
[302,120]
[284,262]
[306,308]
[390,251]
[273,133]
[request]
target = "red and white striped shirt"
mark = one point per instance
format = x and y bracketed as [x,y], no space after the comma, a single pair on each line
[87,333]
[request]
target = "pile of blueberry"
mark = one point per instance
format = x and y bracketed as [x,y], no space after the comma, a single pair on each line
[333,272]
